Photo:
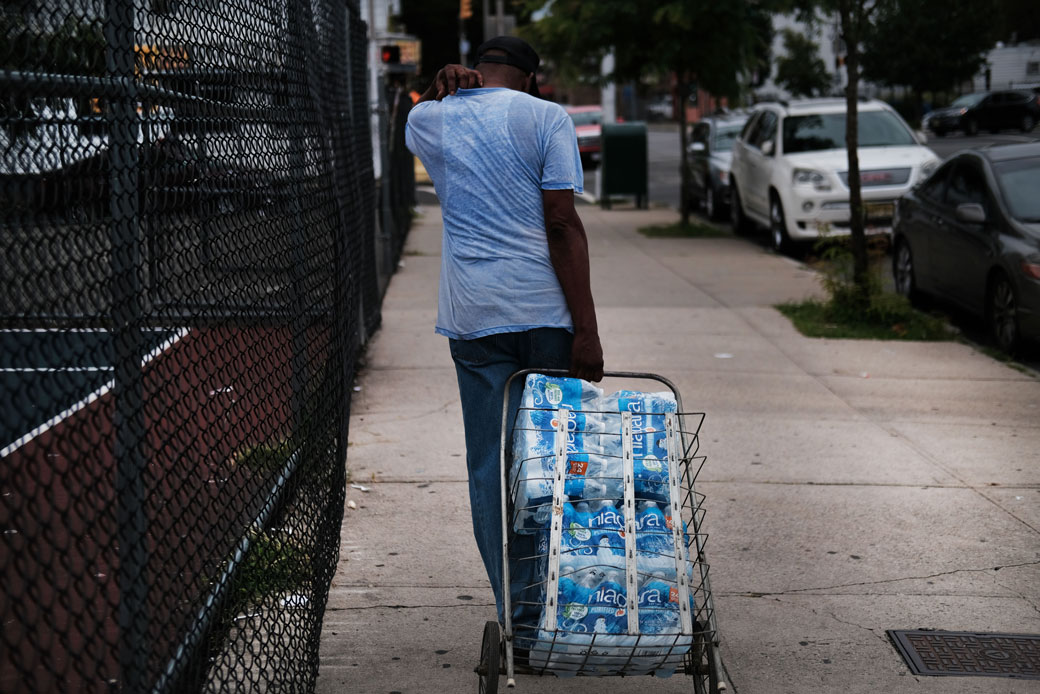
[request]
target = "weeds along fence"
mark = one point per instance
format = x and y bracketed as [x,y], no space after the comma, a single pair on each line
[188,246]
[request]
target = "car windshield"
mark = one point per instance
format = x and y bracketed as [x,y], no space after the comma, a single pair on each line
[821,131]
[1017,180]
[967,101]
[587,117]
[726,136]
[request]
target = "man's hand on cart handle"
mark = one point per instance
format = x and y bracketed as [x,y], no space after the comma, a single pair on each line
[586,356]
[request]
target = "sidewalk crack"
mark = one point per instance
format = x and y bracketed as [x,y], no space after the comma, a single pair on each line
[794,591]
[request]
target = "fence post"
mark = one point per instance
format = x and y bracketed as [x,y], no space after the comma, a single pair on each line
[128,348]
[296,67]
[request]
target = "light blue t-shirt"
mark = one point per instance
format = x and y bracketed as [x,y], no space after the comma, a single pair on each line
[490,152]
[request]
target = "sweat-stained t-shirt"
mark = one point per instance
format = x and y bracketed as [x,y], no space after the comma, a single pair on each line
[490,152]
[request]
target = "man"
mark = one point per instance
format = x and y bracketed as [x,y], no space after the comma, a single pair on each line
[514,283]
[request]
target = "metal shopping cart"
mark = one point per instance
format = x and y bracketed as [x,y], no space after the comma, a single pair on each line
[599,496]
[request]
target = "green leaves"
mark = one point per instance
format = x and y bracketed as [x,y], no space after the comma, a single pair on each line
[895,54]
[712,42]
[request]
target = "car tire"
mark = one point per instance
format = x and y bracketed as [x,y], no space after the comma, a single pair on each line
[741,224]
[971,127]
[711,207]
[1028,123]
[903,271]
[778,237]
[939,133]
[1002,314]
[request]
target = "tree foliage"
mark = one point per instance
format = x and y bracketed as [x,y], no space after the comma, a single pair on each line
[1016,20]
[801,71]
[711,41]
[896,51]
[715,44]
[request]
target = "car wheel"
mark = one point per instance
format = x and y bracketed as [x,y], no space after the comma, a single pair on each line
[1002,314]
[903,270]
[778,226]
[1028,123]
[710,207]
[939,133]
[741,224]
[971,127]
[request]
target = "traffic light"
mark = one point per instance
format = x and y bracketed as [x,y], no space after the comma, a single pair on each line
[390,54]
[465,9]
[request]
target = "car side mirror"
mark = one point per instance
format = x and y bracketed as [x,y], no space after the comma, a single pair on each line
[922,139]
[767,148]
[698,147]
[971,213]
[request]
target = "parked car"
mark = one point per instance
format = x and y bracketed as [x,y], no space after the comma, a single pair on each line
[588,125]
[789,171]
[660,108]
[710,150]
[62,165]
[993,111]
[970,234]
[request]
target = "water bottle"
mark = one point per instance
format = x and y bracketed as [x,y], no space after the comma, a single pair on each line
[609,601]
[575,594]
[651,478]
[662,645]
[653,531]
[576,523]
[658,605]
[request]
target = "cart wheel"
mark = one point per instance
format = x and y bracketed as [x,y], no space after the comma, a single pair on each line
[490,654]
[704,666]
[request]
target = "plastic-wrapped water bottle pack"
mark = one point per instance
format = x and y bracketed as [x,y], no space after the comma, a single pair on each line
[591,628]
[594,446]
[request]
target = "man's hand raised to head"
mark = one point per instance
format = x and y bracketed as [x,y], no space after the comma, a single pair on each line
[450,79]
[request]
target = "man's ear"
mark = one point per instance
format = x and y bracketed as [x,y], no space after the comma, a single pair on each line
[528,82]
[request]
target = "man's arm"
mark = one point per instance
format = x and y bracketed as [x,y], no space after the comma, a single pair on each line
[449,79]
[569,252]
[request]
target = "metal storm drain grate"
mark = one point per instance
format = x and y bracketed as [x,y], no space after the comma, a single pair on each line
[968,654]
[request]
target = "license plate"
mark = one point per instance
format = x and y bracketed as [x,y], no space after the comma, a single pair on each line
[880,211]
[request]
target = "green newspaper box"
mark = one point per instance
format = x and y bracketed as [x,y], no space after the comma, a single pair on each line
[624,162]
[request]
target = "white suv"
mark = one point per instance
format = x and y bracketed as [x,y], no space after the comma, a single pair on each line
[790,168]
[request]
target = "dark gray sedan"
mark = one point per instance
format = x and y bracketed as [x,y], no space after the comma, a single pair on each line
[970,233]
[710,151]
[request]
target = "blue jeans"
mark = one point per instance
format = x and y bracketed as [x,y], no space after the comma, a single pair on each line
[483,366]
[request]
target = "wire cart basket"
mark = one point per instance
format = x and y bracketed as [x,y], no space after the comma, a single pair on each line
[604,570]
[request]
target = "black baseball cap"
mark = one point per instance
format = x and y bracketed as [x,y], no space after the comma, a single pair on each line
[518,53]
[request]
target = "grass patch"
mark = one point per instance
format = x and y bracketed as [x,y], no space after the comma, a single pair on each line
[265,458]
[856,312]
[272,566]
[694,230]
[819,319]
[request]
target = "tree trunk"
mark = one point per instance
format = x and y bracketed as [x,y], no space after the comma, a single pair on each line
[683,90]
[851,18]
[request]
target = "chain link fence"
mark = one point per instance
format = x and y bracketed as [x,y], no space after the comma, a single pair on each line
[187,268]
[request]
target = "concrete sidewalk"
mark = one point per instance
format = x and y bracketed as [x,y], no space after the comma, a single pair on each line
[852,486]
